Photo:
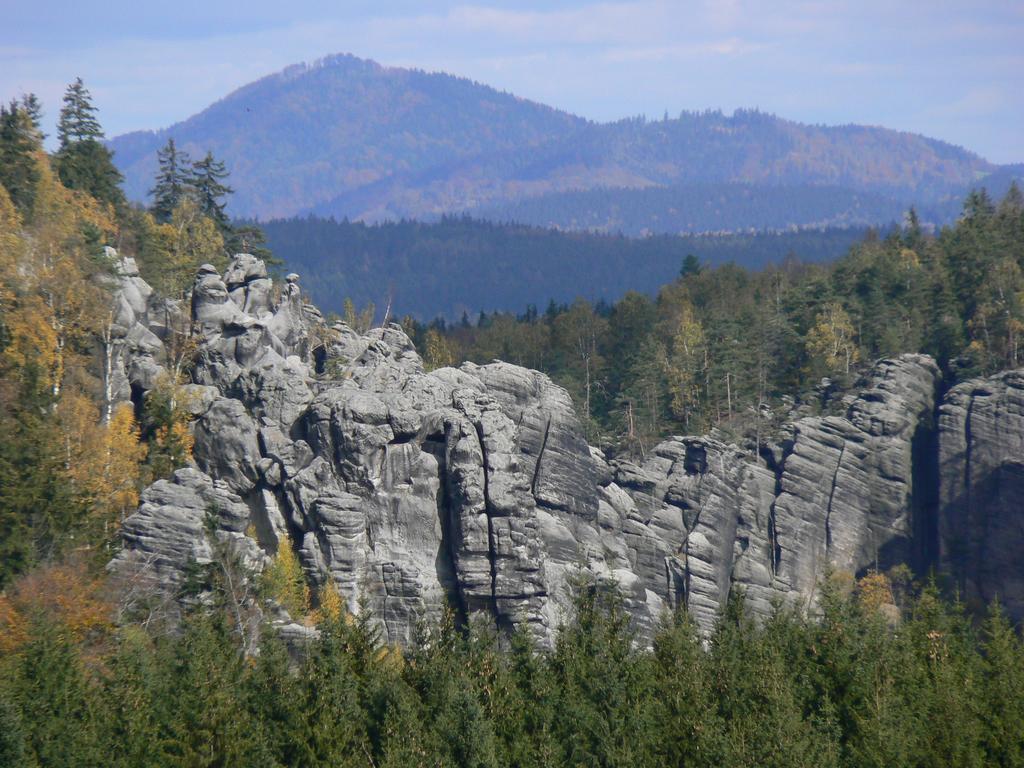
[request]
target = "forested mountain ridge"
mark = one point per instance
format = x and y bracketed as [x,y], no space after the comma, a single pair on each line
[710,208]
[299,137]
[347,137]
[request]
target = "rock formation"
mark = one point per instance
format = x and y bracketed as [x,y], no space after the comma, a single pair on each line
[475,488]
[980,526]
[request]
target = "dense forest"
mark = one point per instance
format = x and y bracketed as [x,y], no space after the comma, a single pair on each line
[95,672]
[459,264]
[725,346]
[888,675]
[701,208]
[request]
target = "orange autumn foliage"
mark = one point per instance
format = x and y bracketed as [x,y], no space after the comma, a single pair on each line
[67,593]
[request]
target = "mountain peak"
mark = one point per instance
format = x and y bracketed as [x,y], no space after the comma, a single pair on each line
[347,136]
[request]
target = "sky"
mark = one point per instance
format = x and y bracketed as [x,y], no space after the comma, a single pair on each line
[951,70]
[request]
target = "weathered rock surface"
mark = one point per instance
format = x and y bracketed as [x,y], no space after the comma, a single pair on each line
[980,532]
[475,487]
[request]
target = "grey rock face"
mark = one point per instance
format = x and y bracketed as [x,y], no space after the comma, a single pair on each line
[980,532]
[474,488]
[133,350]
[170,528]
[847,483]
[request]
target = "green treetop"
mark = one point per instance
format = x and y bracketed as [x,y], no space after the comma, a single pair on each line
[82,162]
[208,177]
[77,117]
[19,140]
[173,181]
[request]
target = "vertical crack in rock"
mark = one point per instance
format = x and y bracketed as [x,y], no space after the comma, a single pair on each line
[969,447]
[924,500]
[774,547]
[831,497]
[492,547]
[446,557]
[540,456]
[962,550]
[773,542]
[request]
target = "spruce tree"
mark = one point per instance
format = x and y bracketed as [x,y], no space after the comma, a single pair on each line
[19,141]
[34,110]
[207,180]
[77,117]
[82,162]
[173,181]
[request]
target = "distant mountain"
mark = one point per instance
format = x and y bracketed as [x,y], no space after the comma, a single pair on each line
[347,137]
[298,138]
[461,265]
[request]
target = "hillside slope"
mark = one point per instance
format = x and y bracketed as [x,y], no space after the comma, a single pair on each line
[308,133]
[348,137]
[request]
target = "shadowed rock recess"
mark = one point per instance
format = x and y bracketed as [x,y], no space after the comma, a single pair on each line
[475,487]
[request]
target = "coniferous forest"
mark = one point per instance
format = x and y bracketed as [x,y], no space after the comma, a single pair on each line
[728,347]
[888,669]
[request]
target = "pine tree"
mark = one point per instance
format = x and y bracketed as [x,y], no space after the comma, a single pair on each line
[13,752]
[686,724]
[173,181]
[60,711]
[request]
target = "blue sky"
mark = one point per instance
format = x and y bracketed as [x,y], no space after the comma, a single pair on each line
[952,70]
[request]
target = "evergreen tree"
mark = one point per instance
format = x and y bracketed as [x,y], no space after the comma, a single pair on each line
[82,161]
[59,709]
[34,109]
[691,266]
[207,181]
[686,723]
[20,142]
[173,181]
[77,121]
[604,702]
[13,751]
[249,238]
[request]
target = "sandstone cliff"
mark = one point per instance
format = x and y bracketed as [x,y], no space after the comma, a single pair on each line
[475,488]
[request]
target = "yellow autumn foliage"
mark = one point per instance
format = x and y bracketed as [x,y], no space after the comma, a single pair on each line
[438,352]
[52,306]
[831,342]
[103,461]
[684,362]
[284,582]
[874,591]
[69,593]
[332,607]
[12,246]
